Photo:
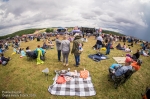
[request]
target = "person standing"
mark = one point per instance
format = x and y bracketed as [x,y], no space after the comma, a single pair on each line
[58,46]
[99,43]
[39,54]
[77,48]
[108,47]
[65,48]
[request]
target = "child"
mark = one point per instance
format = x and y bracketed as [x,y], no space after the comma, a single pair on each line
[22,52]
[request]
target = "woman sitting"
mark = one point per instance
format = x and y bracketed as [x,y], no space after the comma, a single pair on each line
[28,49]
[136,55]
[22,52]
[4,60]
[124,46]
[145,54]
[45,46]
[50,44]
[119,47]
[30,53]
[128,50]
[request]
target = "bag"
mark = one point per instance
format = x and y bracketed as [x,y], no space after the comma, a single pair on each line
[84,74]
[60,80]
[80,49]
[4,63]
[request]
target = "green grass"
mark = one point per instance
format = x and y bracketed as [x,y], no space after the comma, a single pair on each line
[25,76]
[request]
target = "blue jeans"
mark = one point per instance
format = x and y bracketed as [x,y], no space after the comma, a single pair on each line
[59,55]
[77,59]
[108,51]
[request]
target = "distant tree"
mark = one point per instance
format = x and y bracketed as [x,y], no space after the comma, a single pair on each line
[51,30]
[47,30]
[19,33]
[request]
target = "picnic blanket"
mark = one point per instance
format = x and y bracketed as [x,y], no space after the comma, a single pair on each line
[75,87]
[97,57]
[119,60]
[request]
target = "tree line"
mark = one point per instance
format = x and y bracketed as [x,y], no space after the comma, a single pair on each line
[48,30]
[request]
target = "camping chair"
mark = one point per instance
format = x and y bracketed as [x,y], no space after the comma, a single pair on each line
[31,55]
[118,80]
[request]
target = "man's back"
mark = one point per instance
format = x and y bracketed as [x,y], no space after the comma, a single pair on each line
[122,70]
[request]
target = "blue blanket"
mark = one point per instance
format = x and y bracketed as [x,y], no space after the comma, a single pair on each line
[97,57]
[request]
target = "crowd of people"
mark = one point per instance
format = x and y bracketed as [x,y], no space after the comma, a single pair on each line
[63,50]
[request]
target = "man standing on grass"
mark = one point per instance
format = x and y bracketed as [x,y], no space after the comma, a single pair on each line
[58,46]
[99,43]
[77,48]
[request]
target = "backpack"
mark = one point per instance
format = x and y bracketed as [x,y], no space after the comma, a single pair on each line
[4,63]
[80,48]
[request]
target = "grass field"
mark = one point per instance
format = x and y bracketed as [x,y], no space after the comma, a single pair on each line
[26,77]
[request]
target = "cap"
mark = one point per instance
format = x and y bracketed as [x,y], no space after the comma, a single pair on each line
[128,59]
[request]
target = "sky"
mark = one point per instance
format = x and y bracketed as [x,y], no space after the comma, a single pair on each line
[130,17]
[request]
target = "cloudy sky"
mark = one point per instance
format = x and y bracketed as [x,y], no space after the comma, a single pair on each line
[130,17]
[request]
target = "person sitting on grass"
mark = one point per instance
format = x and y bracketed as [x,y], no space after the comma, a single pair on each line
[149,51]
[28,49]
[119,47]
[22,52]
[131,44]
[145,53]
[4,60]
[136,64]
[136,55]
[124,46]
[1,51]
[128,50]
[18,50]
[45,46]
[50,44]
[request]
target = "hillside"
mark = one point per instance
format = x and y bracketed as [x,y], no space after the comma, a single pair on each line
[30,31]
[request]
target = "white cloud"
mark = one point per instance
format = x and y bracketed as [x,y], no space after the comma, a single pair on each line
[126,16]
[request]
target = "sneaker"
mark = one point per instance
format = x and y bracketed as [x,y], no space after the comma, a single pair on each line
[67,64]
[76,65]
[64,64]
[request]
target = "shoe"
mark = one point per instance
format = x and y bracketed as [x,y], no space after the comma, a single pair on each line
[67,64]
[64,64]
[76,65]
